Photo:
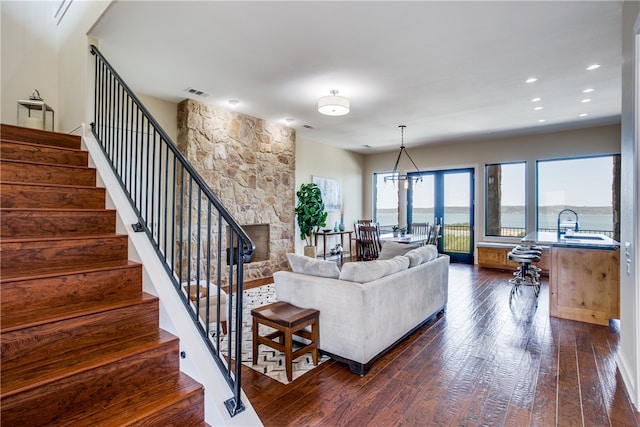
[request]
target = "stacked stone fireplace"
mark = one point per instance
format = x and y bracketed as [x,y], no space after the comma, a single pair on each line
[249,163]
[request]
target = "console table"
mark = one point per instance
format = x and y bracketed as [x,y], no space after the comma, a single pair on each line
[333,233]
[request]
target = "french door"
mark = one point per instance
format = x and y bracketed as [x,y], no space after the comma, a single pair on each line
[446,197]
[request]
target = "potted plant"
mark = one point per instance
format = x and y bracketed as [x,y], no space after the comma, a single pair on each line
[396,229]
[403,231]
[310,214]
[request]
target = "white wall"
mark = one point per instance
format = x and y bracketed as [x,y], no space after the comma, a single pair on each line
[165,113]
[475,154]
[313,159]
[29,56]
[629,352]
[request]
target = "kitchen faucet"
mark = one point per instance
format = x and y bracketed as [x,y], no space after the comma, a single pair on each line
[570,222]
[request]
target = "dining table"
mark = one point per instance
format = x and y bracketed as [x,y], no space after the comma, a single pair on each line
[407,238]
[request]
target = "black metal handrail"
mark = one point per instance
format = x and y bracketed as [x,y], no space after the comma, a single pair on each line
[201,245]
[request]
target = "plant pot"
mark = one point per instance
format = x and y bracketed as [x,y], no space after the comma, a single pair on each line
[310,251]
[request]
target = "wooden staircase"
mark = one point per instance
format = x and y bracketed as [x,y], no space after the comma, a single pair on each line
[80,342]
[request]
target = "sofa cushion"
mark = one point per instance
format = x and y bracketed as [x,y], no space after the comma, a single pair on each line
[368,271]
[421,255]
[313,267]
[393,249]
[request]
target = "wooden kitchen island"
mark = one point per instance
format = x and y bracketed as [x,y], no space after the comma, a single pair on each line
[584,276]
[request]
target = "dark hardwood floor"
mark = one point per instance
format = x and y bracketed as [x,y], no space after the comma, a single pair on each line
[482,363]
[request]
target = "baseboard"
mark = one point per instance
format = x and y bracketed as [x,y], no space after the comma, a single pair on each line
[629,379]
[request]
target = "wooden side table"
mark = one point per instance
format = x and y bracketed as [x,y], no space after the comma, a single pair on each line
[333,233]
[287,320]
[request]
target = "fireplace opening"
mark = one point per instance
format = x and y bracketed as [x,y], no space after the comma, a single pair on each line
[260,235]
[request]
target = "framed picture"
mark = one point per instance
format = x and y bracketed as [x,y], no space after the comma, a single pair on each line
[331,190]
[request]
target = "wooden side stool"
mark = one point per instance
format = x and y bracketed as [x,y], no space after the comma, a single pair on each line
[287,320]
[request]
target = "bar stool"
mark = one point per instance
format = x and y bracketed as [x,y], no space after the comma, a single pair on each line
[527,274]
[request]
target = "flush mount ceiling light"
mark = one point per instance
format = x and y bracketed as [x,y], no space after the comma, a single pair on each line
[395,175]
[334,105]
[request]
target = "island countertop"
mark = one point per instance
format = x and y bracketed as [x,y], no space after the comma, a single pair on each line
[575,240]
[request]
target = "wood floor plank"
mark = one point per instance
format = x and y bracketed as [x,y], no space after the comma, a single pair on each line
[484,362]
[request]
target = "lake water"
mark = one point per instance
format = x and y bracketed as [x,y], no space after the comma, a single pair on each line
[587,222]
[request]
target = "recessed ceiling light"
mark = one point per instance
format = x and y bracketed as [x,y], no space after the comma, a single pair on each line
[541,121]
[583,114]
[585,100]
[531,80]
[289,120]
[593,67]
[233,102]
[588,90]
[538,108]
[536,100]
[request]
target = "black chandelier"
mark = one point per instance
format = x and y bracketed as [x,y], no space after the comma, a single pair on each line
[395,175]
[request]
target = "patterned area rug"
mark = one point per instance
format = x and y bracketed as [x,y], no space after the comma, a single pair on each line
[270,362]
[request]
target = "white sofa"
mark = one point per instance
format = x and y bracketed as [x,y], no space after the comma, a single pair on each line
[359,322]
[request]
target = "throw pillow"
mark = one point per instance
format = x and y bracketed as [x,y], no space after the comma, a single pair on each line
[368,271]
[422,254]
[415,258]
[393,249]
[313,267]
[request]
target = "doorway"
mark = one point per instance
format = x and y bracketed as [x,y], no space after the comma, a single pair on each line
[445,197]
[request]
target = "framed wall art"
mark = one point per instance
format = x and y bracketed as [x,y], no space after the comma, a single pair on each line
[331,190]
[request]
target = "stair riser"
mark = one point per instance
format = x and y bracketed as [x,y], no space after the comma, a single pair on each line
[35,196]
[34,254]
[66,397]
[72,289]
[30,345]
[11,150]
[46,174]
[35,136]
[181,397]
[185,413]
[25,223]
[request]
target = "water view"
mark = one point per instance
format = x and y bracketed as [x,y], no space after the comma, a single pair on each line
[590,218]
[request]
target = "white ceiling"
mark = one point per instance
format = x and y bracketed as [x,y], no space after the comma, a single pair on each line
[448,70]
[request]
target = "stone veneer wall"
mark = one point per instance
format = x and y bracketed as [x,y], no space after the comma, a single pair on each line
[249,163]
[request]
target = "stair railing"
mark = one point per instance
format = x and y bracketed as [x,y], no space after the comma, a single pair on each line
[201,245]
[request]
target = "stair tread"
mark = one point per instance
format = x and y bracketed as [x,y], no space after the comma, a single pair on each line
[33,375]
[69,168]
[140,405]
[18,275]
[47,185]
[70,210]
[37,136]
[24,320]
[57,238]
[46,146]
[17,150]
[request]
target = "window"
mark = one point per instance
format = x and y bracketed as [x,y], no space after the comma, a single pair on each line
[505,199]
[589,186]
[385,201]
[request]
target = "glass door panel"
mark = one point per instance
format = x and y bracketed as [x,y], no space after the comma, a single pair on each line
[423,201]
[446,198]
[457,219]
